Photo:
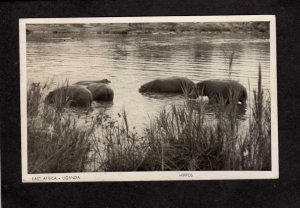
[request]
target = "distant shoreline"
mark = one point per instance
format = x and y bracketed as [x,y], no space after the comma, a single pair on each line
[151,28]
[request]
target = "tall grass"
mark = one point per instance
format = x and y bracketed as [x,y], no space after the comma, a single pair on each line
[258,142]
[54,141]
[116,146]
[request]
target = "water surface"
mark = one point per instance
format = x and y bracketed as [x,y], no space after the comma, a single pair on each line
[129,61]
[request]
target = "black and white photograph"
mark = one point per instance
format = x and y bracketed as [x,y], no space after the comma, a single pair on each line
[148,98]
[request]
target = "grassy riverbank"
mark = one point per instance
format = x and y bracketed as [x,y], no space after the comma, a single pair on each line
[179,138]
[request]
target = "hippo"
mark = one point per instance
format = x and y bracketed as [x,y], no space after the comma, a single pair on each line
[101,91]
[220,91]
[168,85]
[105,81]
[77,96]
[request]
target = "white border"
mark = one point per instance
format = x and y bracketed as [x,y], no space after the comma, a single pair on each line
[152,175]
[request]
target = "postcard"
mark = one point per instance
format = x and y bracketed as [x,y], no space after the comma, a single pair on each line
[148,98]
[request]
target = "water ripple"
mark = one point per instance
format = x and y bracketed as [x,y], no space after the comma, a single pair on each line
[133,60]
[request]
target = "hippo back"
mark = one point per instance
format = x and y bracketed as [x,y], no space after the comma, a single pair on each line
[168,85]
[227,91]
[76,96]
[101,91]
[80,96]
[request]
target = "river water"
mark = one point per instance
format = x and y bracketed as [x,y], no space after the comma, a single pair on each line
[129,61]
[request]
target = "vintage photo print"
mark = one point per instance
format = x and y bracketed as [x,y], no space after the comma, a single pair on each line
[148,98]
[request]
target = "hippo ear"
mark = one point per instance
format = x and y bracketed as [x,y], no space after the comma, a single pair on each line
[106,81]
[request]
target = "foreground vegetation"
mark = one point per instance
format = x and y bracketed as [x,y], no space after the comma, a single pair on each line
[179,138]
[55,142]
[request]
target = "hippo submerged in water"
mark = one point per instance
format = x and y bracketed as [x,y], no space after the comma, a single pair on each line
[168,85]
[101,92]
[81,94]
[220,91]
[76,96]
[100,89]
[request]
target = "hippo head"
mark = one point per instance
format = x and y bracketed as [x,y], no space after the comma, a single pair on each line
[142,89]
[146,87]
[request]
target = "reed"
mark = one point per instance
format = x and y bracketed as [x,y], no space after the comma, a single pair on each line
[116,146]
[257,143]
[228,59]
[181,139]
[230,53]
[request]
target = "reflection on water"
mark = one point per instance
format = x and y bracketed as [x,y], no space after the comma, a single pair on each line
[129,61]
[202,52]
[213,110]
[163,96]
